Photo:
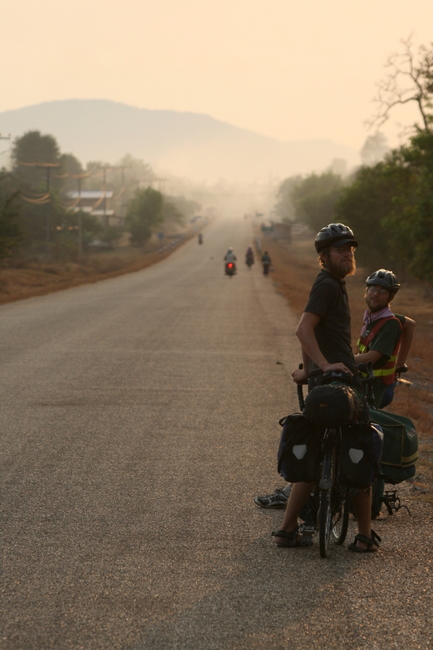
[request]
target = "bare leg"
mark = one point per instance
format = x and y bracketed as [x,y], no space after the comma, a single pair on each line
[298,496]
[362,503]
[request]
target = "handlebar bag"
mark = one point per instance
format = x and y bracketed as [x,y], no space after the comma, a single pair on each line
[333,405]
[361,451]
[299,449]
[400,446]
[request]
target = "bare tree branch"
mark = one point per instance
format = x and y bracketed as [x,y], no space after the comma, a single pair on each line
[419,72]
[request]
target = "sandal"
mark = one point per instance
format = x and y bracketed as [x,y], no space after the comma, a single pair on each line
[369,541]
[292,538]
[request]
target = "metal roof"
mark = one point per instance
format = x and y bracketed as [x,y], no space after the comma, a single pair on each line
[90,194]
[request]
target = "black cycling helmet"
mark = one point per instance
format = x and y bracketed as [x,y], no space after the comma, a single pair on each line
[334,233]
[384,278]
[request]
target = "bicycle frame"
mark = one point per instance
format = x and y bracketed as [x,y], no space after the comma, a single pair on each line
[330,503]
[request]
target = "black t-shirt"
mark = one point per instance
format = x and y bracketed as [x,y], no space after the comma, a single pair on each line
[328,299]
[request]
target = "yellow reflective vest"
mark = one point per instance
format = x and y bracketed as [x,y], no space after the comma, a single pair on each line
[387,369]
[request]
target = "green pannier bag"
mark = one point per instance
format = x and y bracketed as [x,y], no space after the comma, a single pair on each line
[400,446]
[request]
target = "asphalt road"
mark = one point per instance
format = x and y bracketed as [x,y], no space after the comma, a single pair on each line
[139,418]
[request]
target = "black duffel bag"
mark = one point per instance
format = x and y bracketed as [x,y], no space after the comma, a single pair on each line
[333,405]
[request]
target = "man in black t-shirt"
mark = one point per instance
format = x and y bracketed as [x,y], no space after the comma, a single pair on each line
[324,334]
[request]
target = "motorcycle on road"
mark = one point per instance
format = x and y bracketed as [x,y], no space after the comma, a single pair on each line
[230,269]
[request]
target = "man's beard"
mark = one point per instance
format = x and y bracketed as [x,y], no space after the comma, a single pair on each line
[341,269]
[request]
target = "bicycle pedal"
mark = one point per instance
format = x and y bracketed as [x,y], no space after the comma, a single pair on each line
[307,530]
[392,502]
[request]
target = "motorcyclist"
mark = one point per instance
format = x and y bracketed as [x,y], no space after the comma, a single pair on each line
[230,257]
[249,256]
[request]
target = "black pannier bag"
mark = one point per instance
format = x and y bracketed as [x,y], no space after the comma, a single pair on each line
[361,451]
[299,449]
[332,405]
[400,446]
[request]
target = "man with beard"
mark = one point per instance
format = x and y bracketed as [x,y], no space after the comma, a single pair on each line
[325,337]
[385,337]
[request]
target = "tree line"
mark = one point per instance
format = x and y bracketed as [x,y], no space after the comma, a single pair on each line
[38,218]
[388,202]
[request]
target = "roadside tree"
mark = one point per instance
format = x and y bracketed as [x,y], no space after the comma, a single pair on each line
[30,153]
[315,197]
[144,214]
[284,206]
[368,206]
[11,232]
[374,149]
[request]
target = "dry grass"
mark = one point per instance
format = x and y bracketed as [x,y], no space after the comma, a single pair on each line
[296,267]
[39,278]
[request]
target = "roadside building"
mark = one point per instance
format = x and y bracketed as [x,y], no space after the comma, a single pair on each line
[97,203]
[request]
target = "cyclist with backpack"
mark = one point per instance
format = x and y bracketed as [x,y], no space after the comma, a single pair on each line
[386,337]
[325,337]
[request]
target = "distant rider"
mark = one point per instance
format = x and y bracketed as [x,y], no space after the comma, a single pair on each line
[230,257]
[266,261]
[249,257]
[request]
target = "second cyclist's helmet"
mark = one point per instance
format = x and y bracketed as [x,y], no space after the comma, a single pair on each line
[384,278]
[334,233]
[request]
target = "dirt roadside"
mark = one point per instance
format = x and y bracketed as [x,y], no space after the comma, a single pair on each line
[28,279]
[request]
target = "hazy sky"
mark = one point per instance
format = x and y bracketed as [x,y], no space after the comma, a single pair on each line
[290,70]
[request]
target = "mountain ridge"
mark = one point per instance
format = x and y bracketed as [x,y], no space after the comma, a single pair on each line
[189,144]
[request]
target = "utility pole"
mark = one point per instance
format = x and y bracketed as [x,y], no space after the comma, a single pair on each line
[5,137]
[48,167]
[79,177]
[122,204]
[104,187]
[48,225]
[80,224]
[122,190]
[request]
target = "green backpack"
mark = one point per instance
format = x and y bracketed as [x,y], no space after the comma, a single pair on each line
[400,446]
[399,456]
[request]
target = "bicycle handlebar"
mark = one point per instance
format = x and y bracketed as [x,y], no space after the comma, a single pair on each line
[366,368]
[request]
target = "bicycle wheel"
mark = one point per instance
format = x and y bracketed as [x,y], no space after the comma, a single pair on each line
[340,515]
[325,506]
[340,505]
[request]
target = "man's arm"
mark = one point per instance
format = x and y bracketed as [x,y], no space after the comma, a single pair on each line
[371,355]
[306,335]
[406,340]
[302,375]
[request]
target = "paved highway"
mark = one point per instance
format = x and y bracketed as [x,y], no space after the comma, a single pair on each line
[139,418]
